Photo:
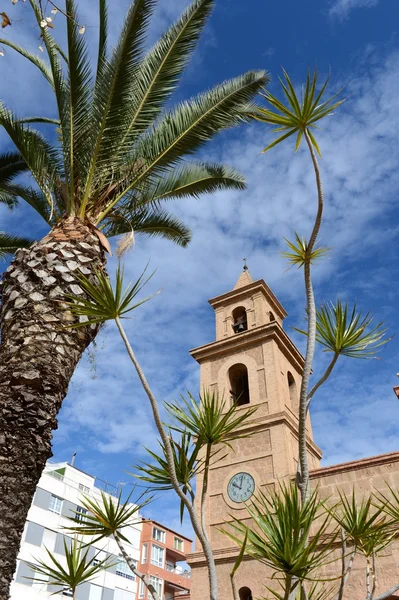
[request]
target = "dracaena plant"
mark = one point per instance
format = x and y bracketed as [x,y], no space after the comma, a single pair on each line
[343,331]
[299,116]
[120,151]
[207,420]
[187,466]
[108,517]
[213,424]
[293,538]
[68,575]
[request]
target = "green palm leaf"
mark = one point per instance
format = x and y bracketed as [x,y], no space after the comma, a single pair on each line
[153,223]
[10,243]
[299,115]
[36,60]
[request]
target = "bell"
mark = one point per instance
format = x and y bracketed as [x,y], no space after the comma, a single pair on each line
[240,327]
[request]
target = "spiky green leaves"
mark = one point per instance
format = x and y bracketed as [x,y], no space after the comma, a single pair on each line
[288,536]
[299,254]
[105,303]
[209,419]
[105,517]
[347,332]
[77,568]
[364,523]
[298,115]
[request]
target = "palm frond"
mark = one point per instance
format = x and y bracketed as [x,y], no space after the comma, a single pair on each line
[184,130]
[153,223]
[36,60]
[32,197]
[161,69]
[10,243]
[348,332]
[11,165]
[113,92]
[298,115]
[38,155]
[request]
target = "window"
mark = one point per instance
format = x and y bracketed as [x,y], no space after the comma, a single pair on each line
[240,322]
[80,513]
[49,539]
[144,554]
[67,592]
[245,593]
[292,391]
[120,594]
[239,385]
[123,569]
[141,591]
[170,566]
[157,583]
[157,556]
[84,488]
[178,544]
[55,504]
[158,535]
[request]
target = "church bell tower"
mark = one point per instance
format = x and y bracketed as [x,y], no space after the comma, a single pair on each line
[253,362]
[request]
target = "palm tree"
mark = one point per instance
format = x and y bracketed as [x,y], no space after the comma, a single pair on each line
[119,155]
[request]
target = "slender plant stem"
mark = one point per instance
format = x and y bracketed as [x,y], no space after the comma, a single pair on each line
[373,574]
[172,471]
[144,578]
[234,586]
[322,379]
[388,593]
[287,592]
[345,570]
[303,471]
[205,489]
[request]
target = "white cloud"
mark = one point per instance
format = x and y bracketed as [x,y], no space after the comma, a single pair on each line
[341,8]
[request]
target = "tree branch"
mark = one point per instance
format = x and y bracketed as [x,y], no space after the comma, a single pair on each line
[322,380]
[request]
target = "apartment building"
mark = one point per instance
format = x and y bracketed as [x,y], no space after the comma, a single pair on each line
[161,551]
[58,495]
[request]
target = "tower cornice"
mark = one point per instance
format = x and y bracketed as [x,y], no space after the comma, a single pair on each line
[249,338]
[242,292]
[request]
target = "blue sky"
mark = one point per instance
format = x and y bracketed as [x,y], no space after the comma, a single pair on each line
[105,417]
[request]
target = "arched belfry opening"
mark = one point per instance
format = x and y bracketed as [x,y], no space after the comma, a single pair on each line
[293,391]
[245,593]
[239,384]
[240,322]
[271,316]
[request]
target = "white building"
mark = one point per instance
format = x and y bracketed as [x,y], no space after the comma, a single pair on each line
[58,495]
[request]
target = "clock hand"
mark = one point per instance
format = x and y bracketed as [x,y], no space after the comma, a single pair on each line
[242,477]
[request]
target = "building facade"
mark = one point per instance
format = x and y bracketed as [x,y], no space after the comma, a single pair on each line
[58,496]
[162,549]
[253,362]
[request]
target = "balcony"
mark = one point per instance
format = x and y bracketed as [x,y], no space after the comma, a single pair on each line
[176,576]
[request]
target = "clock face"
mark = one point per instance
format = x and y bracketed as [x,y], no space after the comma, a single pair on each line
[241,487]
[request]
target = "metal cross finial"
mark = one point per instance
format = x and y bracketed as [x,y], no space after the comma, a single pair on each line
[245,268]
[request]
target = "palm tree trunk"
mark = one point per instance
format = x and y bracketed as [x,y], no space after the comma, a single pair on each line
[130,562]
[37,360]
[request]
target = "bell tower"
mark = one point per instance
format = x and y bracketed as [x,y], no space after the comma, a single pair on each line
[253,362]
